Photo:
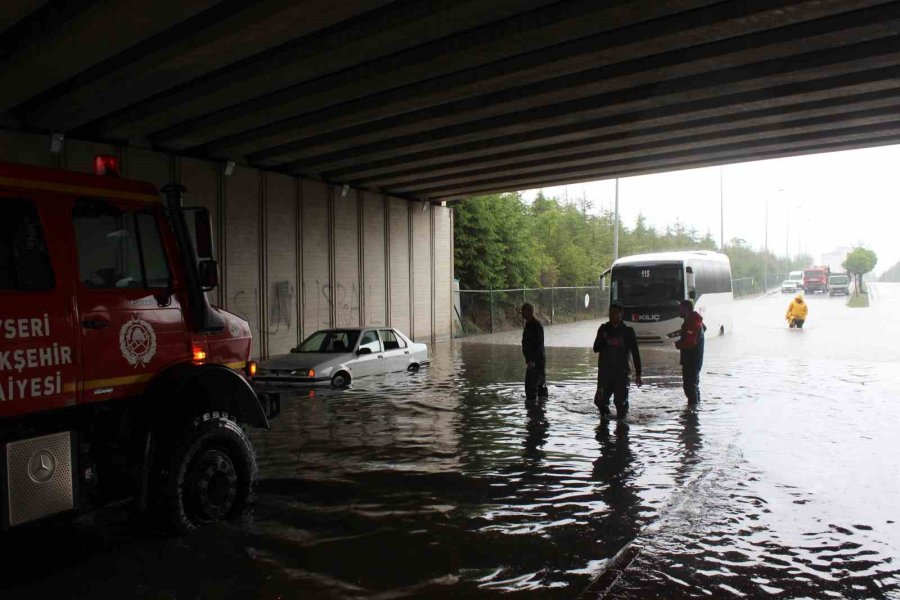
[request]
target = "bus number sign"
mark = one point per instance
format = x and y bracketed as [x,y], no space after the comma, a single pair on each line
[645,273]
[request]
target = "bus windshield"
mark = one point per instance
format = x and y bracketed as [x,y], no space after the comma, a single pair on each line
[655,285]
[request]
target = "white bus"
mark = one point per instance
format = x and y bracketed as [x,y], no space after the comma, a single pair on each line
[650,286]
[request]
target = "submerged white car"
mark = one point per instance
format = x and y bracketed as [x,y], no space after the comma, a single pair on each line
[338,356]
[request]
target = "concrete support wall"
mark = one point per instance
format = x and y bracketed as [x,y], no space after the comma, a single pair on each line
[374,248]
[344,294]
[399,267]
[315,254]
[295,256]
[282,222]
[421,272]
[443,272]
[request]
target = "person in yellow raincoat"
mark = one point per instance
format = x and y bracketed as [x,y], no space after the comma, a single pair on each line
[796,312]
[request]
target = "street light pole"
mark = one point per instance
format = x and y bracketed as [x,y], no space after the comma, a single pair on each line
[616,225]
[722,206]
[766,251]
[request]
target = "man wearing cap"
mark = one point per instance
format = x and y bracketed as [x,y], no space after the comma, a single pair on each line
[614,343]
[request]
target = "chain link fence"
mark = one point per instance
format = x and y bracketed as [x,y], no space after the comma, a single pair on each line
[493,311]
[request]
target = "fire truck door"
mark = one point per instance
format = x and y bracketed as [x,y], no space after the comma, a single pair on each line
[38,363]
[131,321]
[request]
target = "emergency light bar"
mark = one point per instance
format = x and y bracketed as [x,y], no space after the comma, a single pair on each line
[106,165]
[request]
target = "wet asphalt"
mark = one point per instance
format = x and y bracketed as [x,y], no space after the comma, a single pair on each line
[782,482]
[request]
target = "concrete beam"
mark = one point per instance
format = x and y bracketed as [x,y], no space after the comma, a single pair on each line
[686,43]
[63,39]
[676,143]
[14,11]
[189,50]
[801,69]
[640,128]
[264,82]
[666,161]
[562,38]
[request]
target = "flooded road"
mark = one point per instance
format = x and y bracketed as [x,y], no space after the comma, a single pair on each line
[783,481]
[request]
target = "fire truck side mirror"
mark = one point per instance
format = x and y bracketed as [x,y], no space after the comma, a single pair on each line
[203,234]
[209,274]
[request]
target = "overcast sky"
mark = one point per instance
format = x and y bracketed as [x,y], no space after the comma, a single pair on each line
[819,201]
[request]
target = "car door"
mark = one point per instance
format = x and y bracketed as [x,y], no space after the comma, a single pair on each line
[131,323]
[371,363]
[396,354]
[38,344]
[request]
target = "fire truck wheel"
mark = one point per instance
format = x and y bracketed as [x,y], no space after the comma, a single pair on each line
[210,475]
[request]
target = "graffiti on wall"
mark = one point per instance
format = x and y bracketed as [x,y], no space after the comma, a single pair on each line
[281,307]
[345,303]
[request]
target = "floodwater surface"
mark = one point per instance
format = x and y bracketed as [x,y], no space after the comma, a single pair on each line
[783,481]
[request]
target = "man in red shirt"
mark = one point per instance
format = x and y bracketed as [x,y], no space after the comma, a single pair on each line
[691,344]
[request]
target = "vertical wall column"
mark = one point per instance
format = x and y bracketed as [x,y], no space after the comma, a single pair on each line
[345,296]
[316,246]
[398,218]
[443,272]
[281,280]
[244,294]
[374,266]
[421,271]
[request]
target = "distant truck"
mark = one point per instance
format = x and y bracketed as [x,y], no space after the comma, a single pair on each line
[815,278]
[839,284]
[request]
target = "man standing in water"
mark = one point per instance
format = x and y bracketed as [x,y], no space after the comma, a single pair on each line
[615,341]
[535,361]
[691,343]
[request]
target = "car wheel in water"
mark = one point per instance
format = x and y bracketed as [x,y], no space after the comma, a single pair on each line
[340,380]
[413,368]
[209,474]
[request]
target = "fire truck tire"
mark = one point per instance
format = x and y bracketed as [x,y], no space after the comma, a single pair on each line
[209,475]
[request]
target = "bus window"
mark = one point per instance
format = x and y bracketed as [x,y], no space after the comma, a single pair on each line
[642,286]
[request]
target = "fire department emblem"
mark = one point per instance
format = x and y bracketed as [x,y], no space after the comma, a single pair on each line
[137,341]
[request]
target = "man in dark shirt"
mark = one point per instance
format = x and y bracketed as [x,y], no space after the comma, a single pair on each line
[533,349]
[614,343]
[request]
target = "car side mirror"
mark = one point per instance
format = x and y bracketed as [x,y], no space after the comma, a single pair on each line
[362,351]
[209,274]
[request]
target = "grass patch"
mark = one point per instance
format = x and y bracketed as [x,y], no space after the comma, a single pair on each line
[861,301]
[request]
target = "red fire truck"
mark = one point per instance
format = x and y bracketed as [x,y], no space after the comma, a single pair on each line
[815,279]
[118,379]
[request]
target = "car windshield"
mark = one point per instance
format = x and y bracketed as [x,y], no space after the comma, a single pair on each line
[795,276]
[839,279]
[654,285]
[329,341]
[814,274]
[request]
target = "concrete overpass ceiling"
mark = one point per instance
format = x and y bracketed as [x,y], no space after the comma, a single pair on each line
[449,98]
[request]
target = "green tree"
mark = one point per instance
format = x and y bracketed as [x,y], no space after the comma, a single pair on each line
[492,246]
[860,261]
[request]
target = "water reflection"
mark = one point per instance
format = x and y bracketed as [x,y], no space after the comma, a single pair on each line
[444,484]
